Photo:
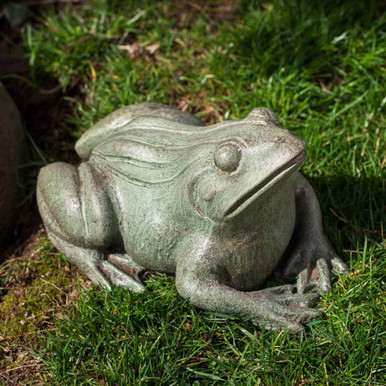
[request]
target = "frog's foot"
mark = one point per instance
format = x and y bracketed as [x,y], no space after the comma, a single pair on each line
[284,308]
[120,278]
[92,262]
[126,264]
[272,308]
[312,264]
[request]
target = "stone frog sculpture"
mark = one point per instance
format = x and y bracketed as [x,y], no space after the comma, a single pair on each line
[222,207]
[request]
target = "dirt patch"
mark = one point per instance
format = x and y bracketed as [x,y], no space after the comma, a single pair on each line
[23,368]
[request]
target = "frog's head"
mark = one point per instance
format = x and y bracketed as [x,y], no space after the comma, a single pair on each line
[247,160]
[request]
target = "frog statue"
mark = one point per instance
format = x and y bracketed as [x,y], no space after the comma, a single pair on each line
[222,207]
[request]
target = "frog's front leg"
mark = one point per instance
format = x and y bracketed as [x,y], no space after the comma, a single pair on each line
[310,257]
[207,285]
[81,223]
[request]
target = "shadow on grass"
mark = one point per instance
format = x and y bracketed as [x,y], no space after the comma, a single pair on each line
[353,208]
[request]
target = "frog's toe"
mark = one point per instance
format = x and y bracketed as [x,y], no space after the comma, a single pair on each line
[323,276]
[339,266]
[120,278]
[126,264]
[301,314]
[300,300]
[297,307]
[316,278]
[290,318]
[287,295]
[282,289]
[280,323]
[98,277]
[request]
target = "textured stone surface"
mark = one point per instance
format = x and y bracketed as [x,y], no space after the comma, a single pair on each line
[222,207]
[11,154]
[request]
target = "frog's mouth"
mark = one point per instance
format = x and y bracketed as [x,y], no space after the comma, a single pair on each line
[266,184]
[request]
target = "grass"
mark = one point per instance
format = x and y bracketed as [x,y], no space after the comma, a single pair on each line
[157,338]
[320,66]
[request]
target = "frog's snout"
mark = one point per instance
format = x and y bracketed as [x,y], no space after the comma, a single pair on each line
[299,143]
[290,142]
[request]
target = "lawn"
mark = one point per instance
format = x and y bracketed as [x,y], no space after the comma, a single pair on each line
[321,67]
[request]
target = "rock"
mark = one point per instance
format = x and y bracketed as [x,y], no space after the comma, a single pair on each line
[11,154]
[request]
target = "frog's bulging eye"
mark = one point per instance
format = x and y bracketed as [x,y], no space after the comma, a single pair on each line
[227,157]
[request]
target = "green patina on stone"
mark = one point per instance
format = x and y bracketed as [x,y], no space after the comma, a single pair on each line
[222,207]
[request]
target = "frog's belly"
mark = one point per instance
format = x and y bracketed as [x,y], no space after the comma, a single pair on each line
[256,252]
[148,224]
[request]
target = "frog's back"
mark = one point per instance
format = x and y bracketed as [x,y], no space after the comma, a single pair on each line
[117,120]
[148,152]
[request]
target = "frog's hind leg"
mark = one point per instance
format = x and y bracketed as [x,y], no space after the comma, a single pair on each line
[80,223]
[75,206]
[88,260]
[99,270]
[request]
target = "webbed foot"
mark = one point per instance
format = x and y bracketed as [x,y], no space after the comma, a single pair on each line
[313,263]
[284,308]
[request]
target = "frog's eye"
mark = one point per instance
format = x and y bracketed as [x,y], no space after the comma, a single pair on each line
[227,157]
